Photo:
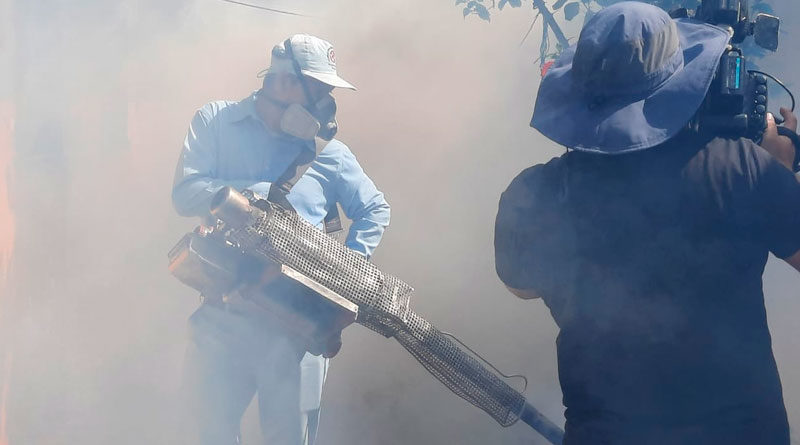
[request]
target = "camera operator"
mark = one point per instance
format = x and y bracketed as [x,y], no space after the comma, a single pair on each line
[647,240]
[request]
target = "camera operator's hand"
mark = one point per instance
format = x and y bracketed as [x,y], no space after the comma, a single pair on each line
[780,146]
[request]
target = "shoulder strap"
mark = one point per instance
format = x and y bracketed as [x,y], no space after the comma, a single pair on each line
[293,173]
[299,166]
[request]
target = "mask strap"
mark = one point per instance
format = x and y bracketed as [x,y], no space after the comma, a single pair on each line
[298,72]
[276,102]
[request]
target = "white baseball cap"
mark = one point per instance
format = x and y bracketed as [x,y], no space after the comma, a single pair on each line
[314,56]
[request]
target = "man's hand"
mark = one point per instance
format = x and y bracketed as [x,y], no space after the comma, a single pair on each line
[333,346]
[780,146]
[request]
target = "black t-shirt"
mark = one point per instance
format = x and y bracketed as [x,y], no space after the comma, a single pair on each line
[651,265]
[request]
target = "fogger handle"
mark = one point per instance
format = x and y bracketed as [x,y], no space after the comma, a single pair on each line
[536,420]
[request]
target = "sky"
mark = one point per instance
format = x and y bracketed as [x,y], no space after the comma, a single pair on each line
[94,110]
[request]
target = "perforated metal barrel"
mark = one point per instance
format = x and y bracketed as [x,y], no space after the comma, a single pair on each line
[383,306]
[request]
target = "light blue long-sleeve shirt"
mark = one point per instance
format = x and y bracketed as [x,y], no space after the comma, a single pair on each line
[228,144]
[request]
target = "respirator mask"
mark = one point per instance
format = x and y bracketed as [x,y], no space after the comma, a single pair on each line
[303,124]
[306,123]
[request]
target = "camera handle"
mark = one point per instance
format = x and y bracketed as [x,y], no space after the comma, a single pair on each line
[783,131]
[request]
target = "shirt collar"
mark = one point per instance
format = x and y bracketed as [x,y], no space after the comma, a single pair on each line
[246,108]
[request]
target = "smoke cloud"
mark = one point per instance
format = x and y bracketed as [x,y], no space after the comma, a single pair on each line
[100,94]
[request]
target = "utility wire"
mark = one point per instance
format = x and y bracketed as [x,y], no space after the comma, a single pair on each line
[264,8]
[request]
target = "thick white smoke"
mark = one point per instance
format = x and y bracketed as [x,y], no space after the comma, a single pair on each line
[103,94]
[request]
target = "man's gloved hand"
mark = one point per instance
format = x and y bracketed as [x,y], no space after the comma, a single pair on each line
[780,146]
[278,196]
[328,347]
[333,346]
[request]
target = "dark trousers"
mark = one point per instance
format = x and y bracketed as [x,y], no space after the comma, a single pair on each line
[765,430]
[230,358]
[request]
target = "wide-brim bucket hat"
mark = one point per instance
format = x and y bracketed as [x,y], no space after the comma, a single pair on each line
[634,79]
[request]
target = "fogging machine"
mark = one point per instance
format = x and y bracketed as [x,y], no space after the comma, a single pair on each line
[257,244]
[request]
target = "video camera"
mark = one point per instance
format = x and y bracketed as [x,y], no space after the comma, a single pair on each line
[736,104]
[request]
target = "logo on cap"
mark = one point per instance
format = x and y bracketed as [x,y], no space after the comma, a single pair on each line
[331,56]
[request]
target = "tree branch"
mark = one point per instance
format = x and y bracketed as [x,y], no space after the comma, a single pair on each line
[551,22]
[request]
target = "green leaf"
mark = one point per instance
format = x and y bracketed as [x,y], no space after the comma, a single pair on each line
[482,12]
[571,10]
[513,3]
[474,7]
[559,4]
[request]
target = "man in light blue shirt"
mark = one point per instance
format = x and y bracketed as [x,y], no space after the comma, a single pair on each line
[250,144]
